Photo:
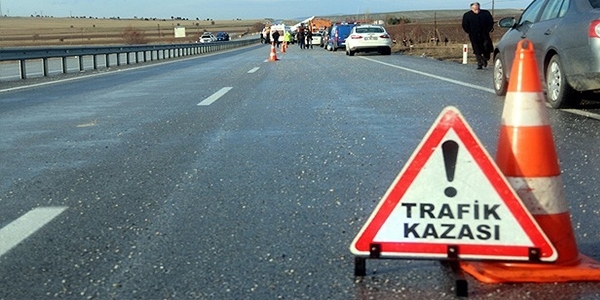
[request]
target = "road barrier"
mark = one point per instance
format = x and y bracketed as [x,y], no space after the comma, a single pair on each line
[140,53]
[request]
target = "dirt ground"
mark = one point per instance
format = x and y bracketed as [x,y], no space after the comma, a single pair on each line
[46,31]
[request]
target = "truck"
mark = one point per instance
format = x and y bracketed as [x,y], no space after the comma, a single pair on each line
[318,24]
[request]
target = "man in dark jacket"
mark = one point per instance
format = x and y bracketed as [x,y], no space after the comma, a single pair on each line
[478,23]
[276,38]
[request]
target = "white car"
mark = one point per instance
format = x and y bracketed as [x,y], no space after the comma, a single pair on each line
[368,38]
[207,37]
[316,38]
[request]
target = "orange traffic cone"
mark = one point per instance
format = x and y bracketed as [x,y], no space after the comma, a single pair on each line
[527,157]
[273,55]
[284,47]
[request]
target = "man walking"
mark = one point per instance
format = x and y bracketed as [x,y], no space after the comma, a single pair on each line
[478,23]
[276,38]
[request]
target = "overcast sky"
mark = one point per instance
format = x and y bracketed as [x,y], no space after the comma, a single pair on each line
[232,9]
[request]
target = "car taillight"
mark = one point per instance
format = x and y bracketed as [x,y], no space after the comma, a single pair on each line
[356,36]
[384,36]
[594,31]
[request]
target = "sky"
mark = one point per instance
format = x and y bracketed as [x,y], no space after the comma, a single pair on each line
[232,9]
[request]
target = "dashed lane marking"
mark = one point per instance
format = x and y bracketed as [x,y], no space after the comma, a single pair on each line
[214,97]
[21,228]
[253,70]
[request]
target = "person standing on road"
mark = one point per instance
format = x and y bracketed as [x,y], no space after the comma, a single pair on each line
[301,37]
[309,39]
[276,38]
[478,23]
[287,39]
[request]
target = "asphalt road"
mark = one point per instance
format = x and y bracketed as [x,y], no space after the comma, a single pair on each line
[227,176]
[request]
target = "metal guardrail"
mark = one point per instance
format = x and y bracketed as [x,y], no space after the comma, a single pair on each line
[140,53]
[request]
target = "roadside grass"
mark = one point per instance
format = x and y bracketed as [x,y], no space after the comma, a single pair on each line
[48,31]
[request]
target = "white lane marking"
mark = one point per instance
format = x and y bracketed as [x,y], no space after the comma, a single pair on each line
[433,76]
[573,111]
[583,113]
[21,228]
[214,97]
[253,70]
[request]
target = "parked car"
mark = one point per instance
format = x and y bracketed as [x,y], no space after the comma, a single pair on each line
[338,35]
[207,37]
[368,38]
[566,38]
[222,36]
[316,38]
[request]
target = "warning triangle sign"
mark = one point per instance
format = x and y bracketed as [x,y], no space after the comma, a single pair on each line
[451,200]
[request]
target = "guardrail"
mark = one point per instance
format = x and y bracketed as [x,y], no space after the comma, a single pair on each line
[140,53]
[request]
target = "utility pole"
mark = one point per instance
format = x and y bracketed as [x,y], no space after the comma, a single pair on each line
[435,22]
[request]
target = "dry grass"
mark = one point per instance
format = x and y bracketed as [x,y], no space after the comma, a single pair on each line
[32,31]
[422,33]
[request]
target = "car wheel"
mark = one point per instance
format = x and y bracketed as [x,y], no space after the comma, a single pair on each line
[560,93]
[351,53]
[500,81]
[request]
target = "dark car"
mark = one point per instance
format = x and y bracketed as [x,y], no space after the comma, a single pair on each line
[222,36]
[566,38]
[337,36]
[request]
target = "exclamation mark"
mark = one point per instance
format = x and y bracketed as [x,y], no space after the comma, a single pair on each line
[450,151]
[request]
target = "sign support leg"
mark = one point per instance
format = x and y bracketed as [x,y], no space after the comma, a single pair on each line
[462,286]
[360,266]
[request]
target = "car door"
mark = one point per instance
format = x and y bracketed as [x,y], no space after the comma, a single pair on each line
[519,31]
[543,33]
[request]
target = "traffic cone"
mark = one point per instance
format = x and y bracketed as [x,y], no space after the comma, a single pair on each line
[273,55]
[527,157]
[284,47]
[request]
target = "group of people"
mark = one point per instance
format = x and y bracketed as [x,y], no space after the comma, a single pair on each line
[303,36]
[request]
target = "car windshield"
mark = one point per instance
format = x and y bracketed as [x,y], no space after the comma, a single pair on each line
[369,30]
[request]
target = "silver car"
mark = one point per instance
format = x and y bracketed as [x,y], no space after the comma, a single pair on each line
[566,38]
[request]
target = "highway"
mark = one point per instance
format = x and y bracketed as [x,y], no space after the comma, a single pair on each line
[227,176]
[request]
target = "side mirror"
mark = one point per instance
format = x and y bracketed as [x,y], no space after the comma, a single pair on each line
[507,22]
